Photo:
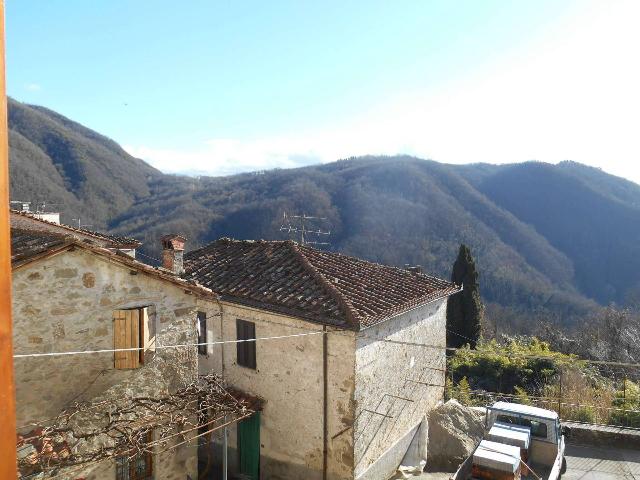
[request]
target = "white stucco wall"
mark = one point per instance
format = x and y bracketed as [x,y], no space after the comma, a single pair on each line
[289,376]
[66,303]
[386,364]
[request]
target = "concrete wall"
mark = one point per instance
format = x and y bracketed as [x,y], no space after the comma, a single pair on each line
[289,376]
[65,303]
[385,365]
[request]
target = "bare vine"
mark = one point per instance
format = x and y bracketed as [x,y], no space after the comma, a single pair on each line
[89,432]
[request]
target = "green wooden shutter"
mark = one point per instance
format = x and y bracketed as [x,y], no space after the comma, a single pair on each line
[249,446]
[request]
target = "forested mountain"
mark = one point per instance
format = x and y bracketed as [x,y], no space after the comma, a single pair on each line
[57,160]
[549,240]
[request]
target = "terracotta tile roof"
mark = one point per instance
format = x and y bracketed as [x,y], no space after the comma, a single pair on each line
[323,287]
[28,246]
[109,240]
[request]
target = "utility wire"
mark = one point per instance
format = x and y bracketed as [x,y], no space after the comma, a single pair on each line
[138,252]
[160,347]
[320,332]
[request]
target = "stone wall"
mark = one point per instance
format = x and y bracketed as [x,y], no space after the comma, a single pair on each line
[65,303]
[387,369]
[289,376]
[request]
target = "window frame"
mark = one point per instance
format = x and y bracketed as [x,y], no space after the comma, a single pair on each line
[246,351]
[202,333]
[539,429]
[125,466]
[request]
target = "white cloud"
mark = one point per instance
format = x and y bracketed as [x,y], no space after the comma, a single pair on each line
[33,87]
[572,95]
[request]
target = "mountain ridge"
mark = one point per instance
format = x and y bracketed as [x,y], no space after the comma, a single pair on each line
[541,233]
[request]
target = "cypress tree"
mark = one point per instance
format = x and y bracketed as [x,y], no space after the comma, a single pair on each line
[464,310]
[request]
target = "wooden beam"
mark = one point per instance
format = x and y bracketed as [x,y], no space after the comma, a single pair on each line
[7,392]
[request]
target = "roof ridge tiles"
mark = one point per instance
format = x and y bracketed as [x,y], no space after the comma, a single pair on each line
[352,316]
[324,287]
[367,263]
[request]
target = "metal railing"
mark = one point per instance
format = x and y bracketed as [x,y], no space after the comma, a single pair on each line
[567,408]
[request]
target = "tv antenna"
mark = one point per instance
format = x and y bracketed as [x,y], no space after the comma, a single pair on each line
[42,205]
[80,224]
[303,227]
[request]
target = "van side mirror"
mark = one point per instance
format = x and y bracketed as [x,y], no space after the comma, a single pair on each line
[566,431]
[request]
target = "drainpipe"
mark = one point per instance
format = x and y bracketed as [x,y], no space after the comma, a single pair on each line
[221,336]
[225,445]
[224,451]
[325,406]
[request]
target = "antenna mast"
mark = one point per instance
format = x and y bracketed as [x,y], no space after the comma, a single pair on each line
[302,227]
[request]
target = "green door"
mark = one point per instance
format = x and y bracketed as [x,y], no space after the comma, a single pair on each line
[249,446]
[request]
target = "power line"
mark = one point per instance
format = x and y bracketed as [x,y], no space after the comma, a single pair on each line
[160,347]
[138,252]
[319,332]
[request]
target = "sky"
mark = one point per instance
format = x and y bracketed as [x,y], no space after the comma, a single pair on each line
[224,87]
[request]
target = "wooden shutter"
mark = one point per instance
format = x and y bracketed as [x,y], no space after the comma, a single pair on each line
[246,350]
[251,346]
[126,334]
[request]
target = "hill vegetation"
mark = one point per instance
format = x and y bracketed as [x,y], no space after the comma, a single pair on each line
[56,160]
[551,242]
[528,371]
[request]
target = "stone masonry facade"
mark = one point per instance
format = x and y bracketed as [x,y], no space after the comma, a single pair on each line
[64,303]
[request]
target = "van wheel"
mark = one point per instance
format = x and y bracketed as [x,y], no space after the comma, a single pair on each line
[563,469]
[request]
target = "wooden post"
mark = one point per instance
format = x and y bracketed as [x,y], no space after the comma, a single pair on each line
[624,399]
[560,397]
[7,393]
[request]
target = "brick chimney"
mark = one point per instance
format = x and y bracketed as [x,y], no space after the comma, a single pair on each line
[172,252]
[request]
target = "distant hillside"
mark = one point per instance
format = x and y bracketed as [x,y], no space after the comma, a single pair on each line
[390,210]
[589,216]
[57,160]
[550,240]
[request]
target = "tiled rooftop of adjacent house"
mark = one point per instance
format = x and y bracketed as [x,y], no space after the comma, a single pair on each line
[29,243]
[301,281]
[109,240]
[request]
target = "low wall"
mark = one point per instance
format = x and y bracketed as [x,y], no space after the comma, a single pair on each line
[598,435]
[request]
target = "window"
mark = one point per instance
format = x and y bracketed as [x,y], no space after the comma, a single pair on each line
[139,467]
[246,350]
[130,330]
[202,333]
[538,429]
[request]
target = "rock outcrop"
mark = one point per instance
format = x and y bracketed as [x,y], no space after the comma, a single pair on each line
[454,432]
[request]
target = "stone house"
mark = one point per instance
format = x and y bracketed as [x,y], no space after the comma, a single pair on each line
[350,356]
[71,295]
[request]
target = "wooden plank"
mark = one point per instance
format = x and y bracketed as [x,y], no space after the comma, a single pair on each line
[124,338]
[8,467]
[127,334]
[127,338]
[134,339]
[119,319]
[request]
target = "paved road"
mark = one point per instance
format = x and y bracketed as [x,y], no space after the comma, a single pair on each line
[587,463]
